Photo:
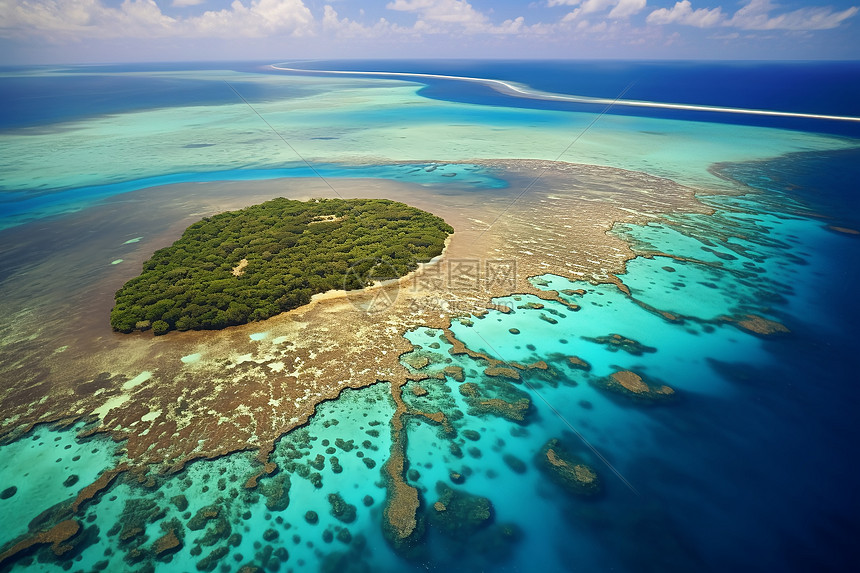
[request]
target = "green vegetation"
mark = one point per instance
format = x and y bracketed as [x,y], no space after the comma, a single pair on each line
[247,265]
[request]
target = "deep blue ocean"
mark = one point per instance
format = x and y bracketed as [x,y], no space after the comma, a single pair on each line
[753,468]
[831,88]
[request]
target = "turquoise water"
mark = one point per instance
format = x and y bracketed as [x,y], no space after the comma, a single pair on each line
[48,466]
[748,465]
[203,134]
[351,435]
[648,498]
[21,207]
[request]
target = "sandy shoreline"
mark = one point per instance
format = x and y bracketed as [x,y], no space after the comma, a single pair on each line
[381,285]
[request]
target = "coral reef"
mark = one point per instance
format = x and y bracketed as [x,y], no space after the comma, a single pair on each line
[634,387]
[214,407]
[457,514]
[567,469]
[56,536]
[341,510]
[578,363]
[166,545]
[513,462]
[277,492]
[455,372]
[471,435]
[200,518]
[402,526]
[502,371]
[616,342]
[496,398]
[758,325]
[416,360]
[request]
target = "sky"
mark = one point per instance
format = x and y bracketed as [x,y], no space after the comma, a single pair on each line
[116,31]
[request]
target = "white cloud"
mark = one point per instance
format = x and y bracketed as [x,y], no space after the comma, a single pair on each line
[92,19]
[592,6]
[683,13]
[584,26]
[627,8]
[514,26]
[608,21]
[620,8]
[451,11]
[438,16]
[346,28]
[260,18]
[83,19]
[756,16]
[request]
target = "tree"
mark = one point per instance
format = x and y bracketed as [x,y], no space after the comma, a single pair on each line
[294,249]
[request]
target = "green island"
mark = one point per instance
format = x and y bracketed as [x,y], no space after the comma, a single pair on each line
[251,264]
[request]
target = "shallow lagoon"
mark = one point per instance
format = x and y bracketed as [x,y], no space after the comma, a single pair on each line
[352,122]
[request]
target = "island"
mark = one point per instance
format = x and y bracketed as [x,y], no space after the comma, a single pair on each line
[247,265]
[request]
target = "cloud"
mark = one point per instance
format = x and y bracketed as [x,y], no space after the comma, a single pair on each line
[83,19]
[683,13]
[620,8]
[756,16]
[729,36]
[514,26]
[346,28]
[592,6]
[451,11]
[451,16]
[260,18]
[448,23]
[627,8]
[92,19]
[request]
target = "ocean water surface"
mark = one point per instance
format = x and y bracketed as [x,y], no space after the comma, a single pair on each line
[747,463]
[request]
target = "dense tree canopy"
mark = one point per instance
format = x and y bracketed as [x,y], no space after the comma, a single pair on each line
[248,265]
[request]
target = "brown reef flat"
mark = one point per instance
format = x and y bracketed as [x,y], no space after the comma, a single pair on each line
[761,325]
[58,534]
[211,393]
[568,470]
[632,386]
